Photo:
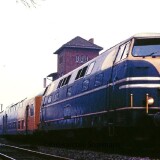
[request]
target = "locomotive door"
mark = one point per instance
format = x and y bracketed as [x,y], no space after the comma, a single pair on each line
[119,72]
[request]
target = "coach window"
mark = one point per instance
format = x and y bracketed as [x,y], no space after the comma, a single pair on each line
[45,100]
[31,110]
[22,124]
[19,124]
[49,99]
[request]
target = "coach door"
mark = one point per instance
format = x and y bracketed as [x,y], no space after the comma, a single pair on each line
[5,124]
[27,113]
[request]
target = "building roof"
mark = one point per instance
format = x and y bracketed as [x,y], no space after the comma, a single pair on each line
[79,42]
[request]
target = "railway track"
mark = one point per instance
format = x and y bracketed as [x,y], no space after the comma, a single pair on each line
[9,152]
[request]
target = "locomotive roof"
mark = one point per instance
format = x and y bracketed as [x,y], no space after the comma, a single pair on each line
[147,35]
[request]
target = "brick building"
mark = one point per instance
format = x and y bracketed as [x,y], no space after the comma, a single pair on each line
[73,54]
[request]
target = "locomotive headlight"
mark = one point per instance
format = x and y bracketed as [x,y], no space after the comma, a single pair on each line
[150,100]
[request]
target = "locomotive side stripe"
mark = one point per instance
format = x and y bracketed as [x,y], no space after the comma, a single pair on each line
[136,79]
[79,95]
[112,84]
[140,86]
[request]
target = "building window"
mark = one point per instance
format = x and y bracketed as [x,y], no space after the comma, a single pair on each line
[81,59]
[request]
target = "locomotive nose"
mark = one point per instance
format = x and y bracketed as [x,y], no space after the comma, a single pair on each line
[157,119]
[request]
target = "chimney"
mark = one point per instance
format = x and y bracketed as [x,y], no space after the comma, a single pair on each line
[91,40]
[44,83]
[1,108]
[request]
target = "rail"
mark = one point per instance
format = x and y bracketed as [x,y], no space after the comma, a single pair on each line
[39,154]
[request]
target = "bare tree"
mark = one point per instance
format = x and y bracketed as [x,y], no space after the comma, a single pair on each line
[29,3]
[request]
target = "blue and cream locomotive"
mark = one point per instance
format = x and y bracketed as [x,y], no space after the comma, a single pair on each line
[116,92]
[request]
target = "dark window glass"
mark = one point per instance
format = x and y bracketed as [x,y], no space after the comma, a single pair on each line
[146,47]
[22,124]
[31,108]
[81,72]
[60,82]
[64,81]
[19,124]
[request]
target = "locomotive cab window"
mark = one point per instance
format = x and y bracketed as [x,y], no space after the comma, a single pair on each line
[146,47]
[122,52]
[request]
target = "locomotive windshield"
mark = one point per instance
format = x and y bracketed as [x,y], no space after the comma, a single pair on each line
[146,47]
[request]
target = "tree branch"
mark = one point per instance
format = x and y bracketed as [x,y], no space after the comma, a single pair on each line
[29,3]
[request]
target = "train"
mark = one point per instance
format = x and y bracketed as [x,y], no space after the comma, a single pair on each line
[116,94]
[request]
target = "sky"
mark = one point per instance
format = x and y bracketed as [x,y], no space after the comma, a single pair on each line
[29,36]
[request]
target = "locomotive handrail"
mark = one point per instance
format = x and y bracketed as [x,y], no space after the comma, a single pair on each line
[147,95]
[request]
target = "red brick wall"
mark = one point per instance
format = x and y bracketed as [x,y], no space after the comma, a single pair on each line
[69,58]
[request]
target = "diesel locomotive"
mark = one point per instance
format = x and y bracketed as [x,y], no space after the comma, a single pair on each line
[114,94]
